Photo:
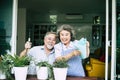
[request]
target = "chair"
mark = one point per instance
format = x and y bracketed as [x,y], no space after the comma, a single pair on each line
[95,68]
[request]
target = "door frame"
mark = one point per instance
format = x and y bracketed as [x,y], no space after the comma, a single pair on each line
[113,45]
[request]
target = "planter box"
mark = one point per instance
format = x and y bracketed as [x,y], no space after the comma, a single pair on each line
[60,73]
[2,75]
[20,73]
[42,72]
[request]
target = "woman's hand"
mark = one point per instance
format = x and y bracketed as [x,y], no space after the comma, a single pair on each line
[87,48]
[60,58]
[69,56]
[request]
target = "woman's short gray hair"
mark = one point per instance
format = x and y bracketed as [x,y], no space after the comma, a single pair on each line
[67,28]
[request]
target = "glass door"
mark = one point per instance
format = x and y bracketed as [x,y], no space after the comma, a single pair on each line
[118,40]
[5,25]
[7,29]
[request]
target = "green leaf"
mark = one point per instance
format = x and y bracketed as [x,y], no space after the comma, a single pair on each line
[60,63]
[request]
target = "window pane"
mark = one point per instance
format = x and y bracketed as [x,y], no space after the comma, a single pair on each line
[5,25]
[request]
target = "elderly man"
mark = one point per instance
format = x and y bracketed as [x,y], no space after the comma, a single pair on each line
[40,53]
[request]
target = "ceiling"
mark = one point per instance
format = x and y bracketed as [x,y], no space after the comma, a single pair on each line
[63,6]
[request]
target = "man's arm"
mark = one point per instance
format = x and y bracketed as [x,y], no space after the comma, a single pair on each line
[24,52]
[27,48]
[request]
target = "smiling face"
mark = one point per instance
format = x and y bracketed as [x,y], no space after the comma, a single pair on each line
[65,37]
[50,40]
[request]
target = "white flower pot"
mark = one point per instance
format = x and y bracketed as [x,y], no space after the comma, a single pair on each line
[2,75]
[12,70]
[20,73]
[42,72]
[60,73]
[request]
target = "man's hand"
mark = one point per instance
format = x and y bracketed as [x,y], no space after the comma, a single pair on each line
[28,45]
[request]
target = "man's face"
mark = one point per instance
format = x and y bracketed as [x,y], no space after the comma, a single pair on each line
[50,41]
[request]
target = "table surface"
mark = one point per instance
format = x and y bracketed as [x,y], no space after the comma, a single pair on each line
[69,78]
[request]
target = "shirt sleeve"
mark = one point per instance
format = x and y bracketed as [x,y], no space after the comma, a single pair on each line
[58,50]
[31,53]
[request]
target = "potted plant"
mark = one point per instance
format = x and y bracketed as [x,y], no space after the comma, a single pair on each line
[43,70]
[60,69]
[20,66]
[3,70]
[5,67]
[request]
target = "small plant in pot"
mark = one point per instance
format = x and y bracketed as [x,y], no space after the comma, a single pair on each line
[3,70]
[5,67]
[20,66]
[60,69]
[44,70]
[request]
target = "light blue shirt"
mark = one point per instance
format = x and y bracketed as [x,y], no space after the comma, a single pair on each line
[75,63]
[38,54]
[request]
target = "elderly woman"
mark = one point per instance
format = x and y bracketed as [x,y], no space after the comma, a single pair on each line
[72,50]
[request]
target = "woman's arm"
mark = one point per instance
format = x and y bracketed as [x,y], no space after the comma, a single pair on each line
[77,52]
[70,55]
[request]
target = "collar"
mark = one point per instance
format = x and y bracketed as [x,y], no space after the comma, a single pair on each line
[51,52]
[69,46]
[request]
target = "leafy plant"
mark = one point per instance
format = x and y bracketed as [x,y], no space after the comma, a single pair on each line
[8,61]
[3,66]
[6,65]
[49,66]
[43,64]
[61,63]
[20,61]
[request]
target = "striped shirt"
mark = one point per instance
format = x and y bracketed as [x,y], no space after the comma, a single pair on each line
[75,63]
[38,54]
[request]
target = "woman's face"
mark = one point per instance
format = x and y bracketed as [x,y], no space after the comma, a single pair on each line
[65,37]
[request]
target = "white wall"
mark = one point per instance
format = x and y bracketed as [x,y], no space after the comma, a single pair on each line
[40,18]
[21,29]
[83,27]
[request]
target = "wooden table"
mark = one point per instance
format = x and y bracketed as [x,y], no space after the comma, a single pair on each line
[70,78]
